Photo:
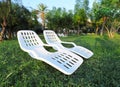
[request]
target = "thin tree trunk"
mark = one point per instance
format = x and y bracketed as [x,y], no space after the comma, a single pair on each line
[117,28]
[9,34]
[2,32]
[3,29]
[103,25]
[109,35]
[101,31]
[96,31]
[110,32]
[78,29]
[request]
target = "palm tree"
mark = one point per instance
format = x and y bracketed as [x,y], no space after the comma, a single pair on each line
[41,11]
[4,12]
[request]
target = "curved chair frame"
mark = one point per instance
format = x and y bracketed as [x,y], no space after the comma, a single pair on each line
[52,39]
[63,60]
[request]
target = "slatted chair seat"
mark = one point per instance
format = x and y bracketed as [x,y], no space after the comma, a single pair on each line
[52,39]
[63,60]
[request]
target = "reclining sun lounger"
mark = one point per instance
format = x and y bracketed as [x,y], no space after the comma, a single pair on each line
[63,60]
[52,39]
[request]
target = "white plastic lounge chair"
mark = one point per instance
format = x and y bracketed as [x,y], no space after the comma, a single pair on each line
[65,61]
[52,39]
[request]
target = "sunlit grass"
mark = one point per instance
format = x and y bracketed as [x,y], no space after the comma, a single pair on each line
[18,69]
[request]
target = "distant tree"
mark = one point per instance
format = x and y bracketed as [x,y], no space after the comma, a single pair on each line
[82,4]
[80,19]
[81,13]
[34,23]
[96,16]
[108,13]
[19,18]
[42,11]
[34,16]
[53,18]
[14,17]
[68,19]
[58,19]
[4,13]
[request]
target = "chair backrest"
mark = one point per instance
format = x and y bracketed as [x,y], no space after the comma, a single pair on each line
[28,39]
[51,36]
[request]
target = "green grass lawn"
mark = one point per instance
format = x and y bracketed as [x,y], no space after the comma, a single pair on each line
[18,69]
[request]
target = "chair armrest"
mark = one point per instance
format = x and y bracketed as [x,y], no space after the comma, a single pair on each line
[69,43]
[47,45]
[53,46]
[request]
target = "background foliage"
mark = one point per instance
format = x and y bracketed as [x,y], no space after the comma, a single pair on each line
[102,18]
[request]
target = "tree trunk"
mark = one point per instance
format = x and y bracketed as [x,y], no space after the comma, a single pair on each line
[110,32]
[2,33]
[101,31]
[3,29]
[43,20]
[118,29]
[103,25]
[96,31]
[78,29]
[9,34]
